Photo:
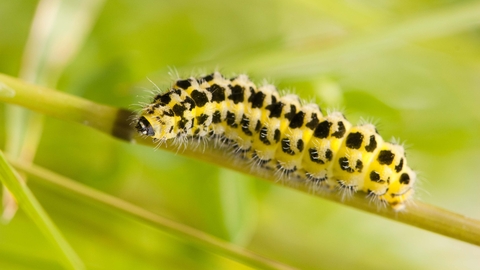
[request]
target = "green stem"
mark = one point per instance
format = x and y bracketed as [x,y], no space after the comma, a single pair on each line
[64,106]
[115,122]
[182,231]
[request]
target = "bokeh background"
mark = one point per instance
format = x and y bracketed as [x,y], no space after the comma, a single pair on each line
[411,67]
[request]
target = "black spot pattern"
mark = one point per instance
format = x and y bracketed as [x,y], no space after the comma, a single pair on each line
[385,157]
[275,109]
[231,119]
[257,99]
[263,136]
[202,118]
[184,84]
[297,120]
[341,130]
[292,113]
[179,109]
[200,98]
[354,140]
[218,93]
[237,94]
[217,117]
[313,122]
[322,130]
[404,179]
[372,145]
[399,167]
[300,145]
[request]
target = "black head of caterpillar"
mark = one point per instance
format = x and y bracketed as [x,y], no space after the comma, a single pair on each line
[279,133]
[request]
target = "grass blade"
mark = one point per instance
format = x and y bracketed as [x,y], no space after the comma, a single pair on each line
[32,207]
[182,231]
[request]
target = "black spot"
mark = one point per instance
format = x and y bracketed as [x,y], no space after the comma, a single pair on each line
[300,145]
[276,135]
[184,84]
[313,123]
[202,118]
[189,100]
[216,117]
[257,99]
[292,113]
[354,140]
[314,156]
[274,99]
[179,109]
[237,94]
[199,97]
[245,124]
[385,157]
[275,109]
[375,177]
[399,167]
[286,147]
[165,98]
[169,113]
[231,119]
[263,136]
[157,97]
[329,154]
[297,120]
[341,131]
[144,127]
[322,130]
[218,93]
[208,78]
[404,179]
[177,91]
[182,123]
[372,144]
[345,165]
[258,125]
[195,133]
[359,165]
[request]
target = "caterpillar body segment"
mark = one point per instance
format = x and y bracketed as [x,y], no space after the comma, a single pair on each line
[279,133]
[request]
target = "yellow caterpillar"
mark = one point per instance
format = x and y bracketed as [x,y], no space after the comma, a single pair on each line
[279,133]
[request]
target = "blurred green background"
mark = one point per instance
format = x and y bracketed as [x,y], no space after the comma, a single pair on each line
[411,67]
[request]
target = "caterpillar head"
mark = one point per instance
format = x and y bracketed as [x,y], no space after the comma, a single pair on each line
[144,127]
[157,121]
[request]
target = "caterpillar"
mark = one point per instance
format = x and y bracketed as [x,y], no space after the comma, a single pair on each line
[280,133]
